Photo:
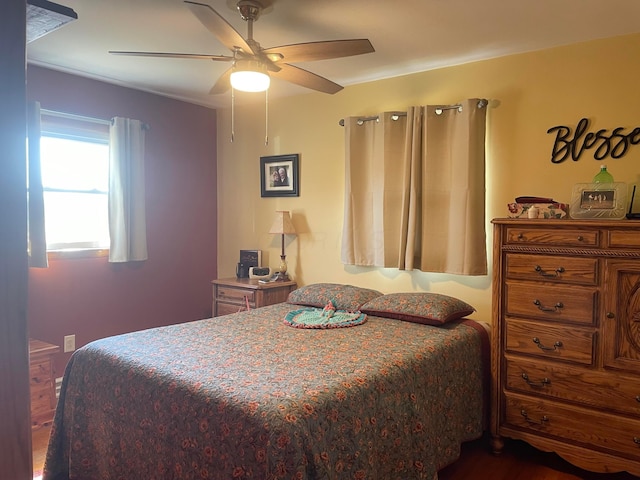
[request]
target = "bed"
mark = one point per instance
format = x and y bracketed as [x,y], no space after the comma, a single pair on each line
[247,396]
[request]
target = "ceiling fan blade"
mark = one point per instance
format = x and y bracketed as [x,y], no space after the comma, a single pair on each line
[223,84]
[306,79]
[217,25]
[306,52]
[199,56]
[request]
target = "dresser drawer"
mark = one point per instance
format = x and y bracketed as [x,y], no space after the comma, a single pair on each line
[550,268]
[603,390]
[623,239]
[557,303]
[557,342]
[236,295]
[552,236]
[574,425]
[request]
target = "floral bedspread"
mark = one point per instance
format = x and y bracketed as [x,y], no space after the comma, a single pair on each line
[245,396]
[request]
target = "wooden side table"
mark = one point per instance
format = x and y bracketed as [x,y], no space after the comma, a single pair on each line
[42,382]
[231,295]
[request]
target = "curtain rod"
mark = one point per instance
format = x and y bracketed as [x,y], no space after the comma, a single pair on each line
[73,116]
[395,115]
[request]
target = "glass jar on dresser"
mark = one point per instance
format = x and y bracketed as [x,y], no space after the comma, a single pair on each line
[566,339]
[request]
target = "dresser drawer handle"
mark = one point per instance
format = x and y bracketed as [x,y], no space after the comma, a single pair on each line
[544,418]
[558,306]
[544,273]
[541,383]
[638,398]
[556,345]
[636,440]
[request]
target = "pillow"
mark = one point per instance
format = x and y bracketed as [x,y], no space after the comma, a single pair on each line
[426,308]
[345,297]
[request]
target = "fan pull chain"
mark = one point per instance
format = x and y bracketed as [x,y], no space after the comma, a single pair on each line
[233,114]
[266,117]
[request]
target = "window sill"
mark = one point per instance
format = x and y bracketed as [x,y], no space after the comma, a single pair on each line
[77,253]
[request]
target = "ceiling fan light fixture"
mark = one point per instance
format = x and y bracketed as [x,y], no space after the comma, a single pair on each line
[250,76]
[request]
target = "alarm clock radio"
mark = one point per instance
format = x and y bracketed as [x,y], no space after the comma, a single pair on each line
[259,273]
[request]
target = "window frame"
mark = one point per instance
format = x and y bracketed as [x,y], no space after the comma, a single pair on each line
[81,129]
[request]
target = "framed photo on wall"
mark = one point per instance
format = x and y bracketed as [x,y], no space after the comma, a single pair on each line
[279,176]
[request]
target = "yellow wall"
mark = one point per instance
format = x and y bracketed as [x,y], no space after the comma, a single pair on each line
[528,93]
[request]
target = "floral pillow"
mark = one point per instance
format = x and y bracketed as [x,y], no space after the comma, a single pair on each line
[427,308]
[345,297]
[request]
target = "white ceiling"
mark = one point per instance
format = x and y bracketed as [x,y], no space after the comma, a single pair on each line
[409,36]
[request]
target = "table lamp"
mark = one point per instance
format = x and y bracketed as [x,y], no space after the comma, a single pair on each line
[282,226]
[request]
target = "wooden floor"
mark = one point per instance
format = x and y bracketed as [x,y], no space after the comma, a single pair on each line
[519,461]
[40,440]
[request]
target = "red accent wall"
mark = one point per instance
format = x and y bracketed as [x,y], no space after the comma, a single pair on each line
[92,298]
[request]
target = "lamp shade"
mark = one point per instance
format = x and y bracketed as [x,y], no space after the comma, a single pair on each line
[282,224]
[249,76]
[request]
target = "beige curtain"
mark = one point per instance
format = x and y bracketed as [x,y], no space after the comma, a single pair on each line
[438,224]
[443,219]
[37,242]
[373,186]
[127,217]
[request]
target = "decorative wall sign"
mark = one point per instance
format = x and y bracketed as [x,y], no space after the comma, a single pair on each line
[598,200]
[614,144]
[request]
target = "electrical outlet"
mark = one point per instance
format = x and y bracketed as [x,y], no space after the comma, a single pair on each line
[69,343]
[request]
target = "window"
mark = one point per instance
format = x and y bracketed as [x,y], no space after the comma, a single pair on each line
[75,179]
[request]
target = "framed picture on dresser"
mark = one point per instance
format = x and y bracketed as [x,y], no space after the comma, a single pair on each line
[279,176]
[599,200]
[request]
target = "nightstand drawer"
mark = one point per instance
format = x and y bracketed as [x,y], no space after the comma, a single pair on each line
[554,342]
[229,308]
[42,408]
[41,382]
[237,295]
[230,295]
[551,268]
[557,303]
[40,373]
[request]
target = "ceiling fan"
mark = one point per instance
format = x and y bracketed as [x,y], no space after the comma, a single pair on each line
[249,56]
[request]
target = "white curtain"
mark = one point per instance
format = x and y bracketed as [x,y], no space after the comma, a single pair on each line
[438,166]
[127,222]
[37,241]
[373,190]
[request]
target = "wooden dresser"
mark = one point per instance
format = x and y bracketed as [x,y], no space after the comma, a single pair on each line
[42,382]
[566,339]
[231,295]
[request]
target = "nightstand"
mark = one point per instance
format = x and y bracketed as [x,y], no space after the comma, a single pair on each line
[231,295]
[42,382]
